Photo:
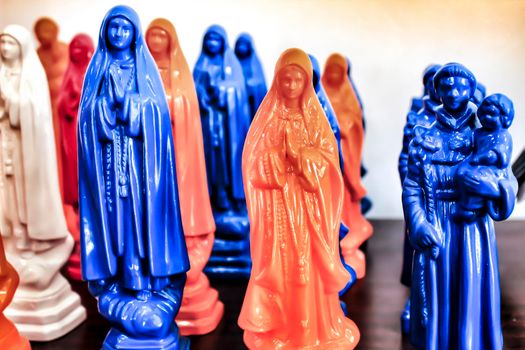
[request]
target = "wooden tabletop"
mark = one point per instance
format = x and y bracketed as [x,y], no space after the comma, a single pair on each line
[374,303]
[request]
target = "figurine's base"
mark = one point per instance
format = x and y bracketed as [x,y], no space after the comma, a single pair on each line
[44,315]
[10,339]
[73,269]
[405,318]
[201,310]
[357,261]
[232,265]
[116,340]
[228,272]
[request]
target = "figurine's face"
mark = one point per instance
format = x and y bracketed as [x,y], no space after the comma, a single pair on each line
[454,92]
[120,33]
[158,41]
[291,80]
[490,117]
[9,48]
[213,43]
[79,53]
[243,48]
[46,32]
[335,74]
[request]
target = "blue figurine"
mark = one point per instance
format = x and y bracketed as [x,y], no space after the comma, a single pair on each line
[226,118]
[332,119]
[133,251]
[458,182]
[425,118]
[366,203]
[479,95]
[253,72]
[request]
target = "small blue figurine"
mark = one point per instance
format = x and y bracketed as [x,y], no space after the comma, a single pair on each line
[223,103]
[332,119]
[425,118]
[133,251]
[253,72]
[455,187]
[479,95]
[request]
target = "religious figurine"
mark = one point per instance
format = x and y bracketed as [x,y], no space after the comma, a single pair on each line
[133,252]
[455,293]
[252,70]
[294,190]
[201,310]
[348,112]
[225,120]
[366,203]
[332,119]
[32,220]
[80,51]
[54,57]
[10,339]
[479,95]
[425,117]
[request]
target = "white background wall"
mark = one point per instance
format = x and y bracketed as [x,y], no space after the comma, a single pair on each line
[389,42]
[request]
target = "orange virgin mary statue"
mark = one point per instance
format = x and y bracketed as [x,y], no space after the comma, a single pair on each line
[201,310]
[10,339]
[350,117]
[294,194]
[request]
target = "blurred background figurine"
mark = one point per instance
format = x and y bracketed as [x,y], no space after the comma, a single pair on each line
[201,310]
[10,339]
[134,255]
[455,291]
[292,175]
[252,70]
[425,117]
[32,220]
[80,51]
[54,57]
[349,115]
[225,119]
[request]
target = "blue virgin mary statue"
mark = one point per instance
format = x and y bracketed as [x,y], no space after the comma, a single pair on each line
[134,255]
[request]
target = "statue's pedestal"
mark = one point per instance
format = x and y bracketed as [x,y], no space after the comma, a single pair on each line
[44,315]
[201,309]
[117,340]
[10,339]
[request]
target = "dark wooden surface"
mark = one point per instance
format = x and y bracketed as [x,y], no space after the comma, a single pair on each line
[374,303]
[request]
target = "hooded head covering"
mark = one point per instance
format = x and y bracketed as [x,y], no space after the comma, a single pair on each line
[45,216]
[161,226]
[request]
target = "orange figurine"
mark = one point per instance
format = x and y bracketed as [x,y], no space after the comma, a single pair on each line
[294,194]
[350,117]
[54,57]
[10,339]
[201,310]
[80,51]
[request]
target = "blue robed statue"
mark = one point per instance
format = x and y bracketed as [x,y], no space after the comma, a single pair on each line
[134,255]
[458,182]
[226,118]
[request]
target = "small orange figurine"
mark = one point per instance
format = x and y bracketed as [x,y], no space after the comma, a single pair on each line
[294,194]
[10,339]
[80,51]
[201,310]
[54,57]
[349,115]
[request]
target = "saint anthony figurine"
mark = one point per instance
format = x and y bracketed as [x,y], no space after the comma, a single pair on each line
[252,70]
[32,220]
[80,51]
[10,339]
[54,57]
[225,120]
[133,252]
[201,309]
[294,190]
[425,117]
[455,293]
[349,115]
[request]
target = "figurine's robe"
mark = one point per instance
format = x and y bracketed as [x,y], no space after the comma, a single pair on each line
[455,299]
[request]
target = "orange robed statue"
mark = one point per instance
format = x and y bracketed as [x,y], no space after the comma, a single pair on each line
[201,310]
[10,339]
[350,117]
[294,193]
